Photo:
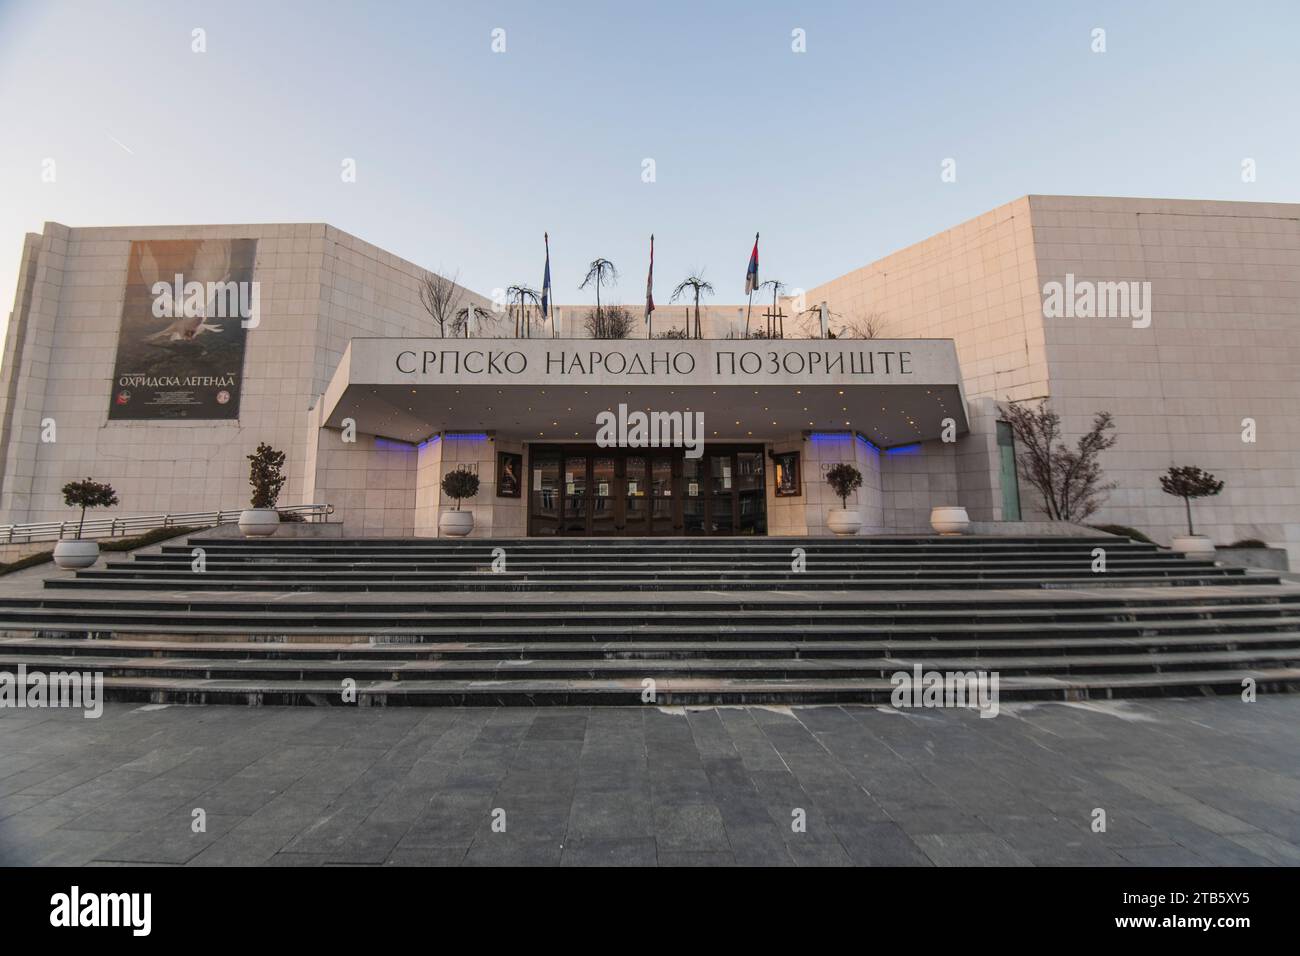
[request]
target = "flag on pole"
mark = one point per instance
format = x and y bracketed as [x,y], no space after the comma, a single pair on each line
[751,274]
[650,283]
[546,279]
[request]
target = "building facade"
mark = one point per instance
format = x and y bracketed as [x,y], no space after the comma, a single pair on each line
[1180,318]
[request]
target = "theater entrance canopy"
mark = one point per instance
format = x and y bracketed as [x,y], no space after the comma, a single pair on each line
[892,392]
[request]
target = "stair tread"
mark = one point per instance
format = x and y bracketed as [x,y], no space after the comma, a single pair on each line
[970,626]
[331,688]
[490,582]
[476,647]
[650,666]
[426,621]
[292,612]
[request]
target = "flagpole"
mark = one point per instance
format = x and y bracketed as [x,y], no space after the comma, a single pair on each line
[550,306]
[649,294]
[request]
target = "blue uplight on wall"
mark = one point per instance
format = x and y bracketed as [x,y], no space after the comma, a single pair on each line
[905,450]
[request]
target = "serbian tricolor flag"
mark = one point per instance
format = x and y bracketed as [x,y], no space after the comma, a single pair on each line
[751,274]
[546,278]
[650,283]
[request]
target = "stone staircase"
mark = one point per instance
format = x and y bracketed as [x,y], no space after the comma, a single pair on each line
[707,621]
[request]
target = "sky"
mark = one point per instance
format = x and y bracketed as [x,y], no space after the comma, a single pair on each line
[464,156]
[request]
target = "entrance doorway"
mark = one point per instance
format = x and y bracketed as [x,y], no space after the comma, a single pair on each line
[585,491]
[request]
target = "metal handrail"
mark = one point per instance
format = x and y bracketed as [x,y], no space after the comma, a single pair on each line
[120,525]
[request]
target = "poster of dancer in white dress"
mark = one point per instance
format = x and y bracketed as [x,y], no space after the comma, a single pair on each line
[188,306]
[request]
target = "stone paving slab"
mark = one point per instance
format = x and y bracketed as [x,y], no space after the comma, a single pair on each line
[1203,782]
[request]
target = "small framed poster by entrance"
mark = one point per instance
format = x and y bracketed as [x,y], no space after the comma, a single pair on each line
[786,471]
[509,469]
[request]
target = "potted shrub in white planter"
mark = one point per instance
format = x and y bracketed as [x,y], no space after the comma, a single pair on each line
[73,553]
[458,486]
[949,519]
[844,479]
[1188,482]
[267,478]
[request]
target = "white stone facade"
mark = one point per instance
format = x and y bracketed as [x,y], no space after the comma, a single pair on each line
[1218,357]
[1222,346]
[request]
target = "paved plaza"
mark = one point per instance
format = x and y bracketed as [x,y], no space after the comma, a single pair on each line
[1205,781]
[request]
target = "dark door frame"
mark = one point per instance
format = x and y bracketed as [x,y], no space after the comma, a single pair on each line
[618,493]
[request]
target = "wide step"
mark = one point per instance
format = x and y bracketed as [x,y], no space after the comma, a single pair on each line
[700,621]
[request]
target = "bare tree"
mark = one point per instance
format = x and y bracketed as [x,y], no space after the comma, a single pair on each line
[1069,479]
[602,273]
[522,296]
[859,326]
[808,323]
[615,322]
[778,288]
[697,286]
[441,298]
[480,316]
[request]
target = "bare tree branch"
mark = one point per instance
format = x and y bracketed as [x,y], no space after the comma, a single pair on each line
[441,298]
[602,273]
[522,296]
[481,317]
[697,285]
[615,322]
[862,326]
[1069,479]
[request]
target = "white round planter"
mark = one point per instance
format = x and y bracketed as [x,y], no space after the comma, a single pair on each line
[456,524]
[843,521]
[73,553]
[258,522]
[1192,546]
[949,519]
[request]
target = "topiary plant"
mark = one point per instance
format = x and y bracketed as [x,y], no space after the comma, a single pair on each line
[459,485]
[844,479]
[88,494]
[1188,482]
[265,475]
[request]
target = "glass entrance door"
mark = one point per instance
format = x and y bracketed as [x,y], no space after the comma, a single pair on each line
[585,490]
[720,518]
[604,495]
[751,492]
[636,495]
[693,496]
[544,500]
[663,501]
[575,495]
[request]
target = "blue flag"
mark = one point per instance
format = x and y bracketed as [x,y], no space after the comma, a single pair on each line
[546,279]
